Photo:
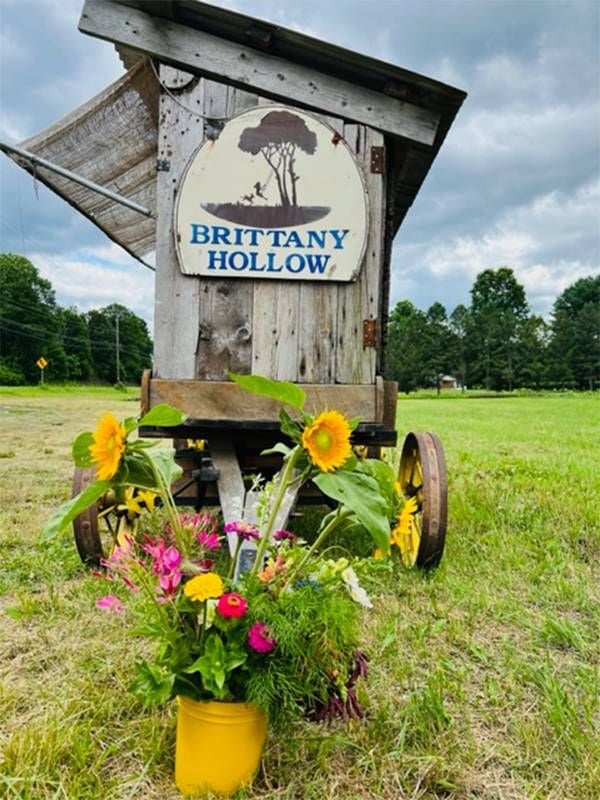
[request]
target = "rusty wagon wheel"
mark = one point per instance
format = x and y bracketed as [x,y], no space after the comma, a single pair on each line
[96,529]
[422,476]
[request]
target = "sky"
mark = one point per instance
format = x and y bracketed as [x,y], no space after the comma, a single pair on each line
[516,183]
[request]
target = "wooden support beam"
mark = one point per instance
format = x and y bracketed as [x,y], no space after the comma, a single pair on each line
[224,400]
[246,68]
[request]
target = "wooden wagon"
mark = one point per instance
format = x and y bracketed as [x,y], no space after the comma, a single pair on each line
[225,126]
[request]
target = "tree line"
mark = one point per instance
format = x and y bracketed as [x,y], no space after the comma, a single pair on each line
[496,343]
[77,347]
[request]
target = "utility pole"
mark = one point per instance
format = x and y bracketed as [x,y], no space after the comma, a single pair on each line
[117,348]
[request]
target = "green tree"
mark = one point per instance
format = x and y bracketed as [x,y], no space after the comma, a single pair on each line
[458,324]
[498,310]
[76,342]
[575,336]
[406,346]
[29,321]
[113,324]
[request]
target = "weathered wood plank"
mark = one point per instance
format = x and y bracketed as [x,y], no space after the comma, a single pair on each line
[275,329]
[224,400]
[226,306]
[177,306]
[230,485]
[216,58]
[360,301]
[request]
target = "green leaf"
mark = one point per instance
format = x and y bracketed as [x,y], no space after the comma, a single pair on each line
[354,423]
[152,684]
[81,449]
[278,448]
[288,426]
[136,471]
[164,416]
[282,391]
[360,493]
[164,461]
[67,512]
[385,476]
[130,424]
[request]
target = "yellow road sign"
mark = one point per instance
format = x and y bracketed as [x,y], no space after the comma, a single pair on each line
[41,362]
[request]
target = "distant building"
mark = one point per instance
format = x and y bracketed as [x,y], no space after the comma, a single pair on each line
[449,382]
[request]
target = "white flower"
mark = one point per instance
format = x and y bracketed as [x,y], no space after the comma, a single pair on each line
[358,594]
[349,577]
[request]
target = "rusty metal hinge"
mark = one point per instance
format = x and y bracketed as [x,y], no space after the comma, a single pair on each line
[163,165]
[377,160]
[369,333]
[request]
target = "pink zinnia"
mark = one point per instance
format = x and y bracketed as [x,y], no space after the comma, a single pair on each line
[232,605]
[110,603]
[281,536]
[259,639]
[243,529]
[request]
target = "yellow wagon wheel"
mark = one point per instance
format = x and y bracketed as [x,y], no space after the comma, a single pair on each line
[424,485]
[98,528]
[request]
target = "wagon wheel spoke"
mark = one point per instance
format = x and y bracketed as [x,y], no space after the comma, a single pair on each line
[422,477]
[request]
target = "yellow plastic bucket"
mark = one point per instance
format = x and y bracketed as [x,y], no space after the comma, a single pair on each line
[218,745]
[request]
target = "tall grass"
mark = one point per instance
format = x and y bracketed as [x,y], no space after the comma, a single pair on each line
[484,674]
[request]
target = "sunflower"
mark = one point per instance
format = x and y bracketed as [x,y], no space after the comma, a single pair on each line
[327,440]
[406,534]
[108,447]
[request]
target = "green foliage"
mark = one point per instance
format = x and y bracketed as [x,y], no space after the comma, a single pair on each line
[163,415]
[76,346]
[135,345]
[282,391]
[496,343]
[67,512]
[361,494]
[317,633]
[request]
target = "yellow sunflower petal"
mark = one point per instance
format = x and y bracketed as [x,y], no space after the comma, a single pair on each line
[108,447]
[327,440]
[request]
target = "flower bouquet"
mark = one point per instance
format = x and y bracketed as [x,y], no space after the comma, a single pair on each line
[249,619]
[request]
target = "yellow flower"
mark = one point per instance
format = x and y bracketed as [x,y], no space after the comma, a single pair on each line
[147,497]
[108,447]
[406,534]
[204,586]
[132,503]
[327,440]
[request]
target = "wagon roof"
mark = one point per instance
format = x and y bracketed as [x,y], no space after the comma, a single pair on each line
[413,111]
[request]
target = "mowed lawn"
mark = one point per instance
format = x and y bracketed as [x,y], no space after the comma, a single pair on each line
[484,674]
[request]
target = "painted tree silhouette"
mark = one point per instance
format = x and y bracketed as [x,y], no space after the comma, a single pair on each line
[277,138]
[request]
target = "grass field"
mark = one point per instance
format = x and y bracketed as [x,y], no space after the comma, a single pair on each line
[484,675]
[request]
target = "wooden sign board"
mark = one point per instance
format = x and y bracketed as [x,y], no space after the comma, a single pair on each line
[277,195]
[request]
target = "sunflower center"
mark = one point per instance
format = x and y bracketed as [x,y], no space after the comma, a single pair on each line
[323,440]
[111,444]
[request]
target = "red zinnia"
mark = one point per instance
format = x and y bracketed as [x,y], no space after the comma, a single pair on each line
[232,605]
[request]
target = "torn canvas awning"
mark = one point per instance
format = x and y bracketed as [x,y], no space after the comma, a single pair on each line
[112,141]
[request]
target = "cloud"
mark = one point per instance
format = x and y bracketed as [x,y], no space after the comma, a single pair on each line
[546,242]
[81,282]
[512,184]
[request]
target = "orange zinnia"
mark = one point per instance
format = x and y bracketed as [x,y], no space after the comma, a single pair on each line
[108,447]
[327,440]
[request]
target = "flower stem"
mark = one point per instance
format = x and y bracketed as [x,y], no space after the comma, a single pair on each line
[167,498]
[285,481]
[234,559]
[340,516]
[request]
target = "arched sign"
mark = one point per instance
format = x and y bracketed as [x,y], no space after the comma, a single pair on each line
[277,195]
